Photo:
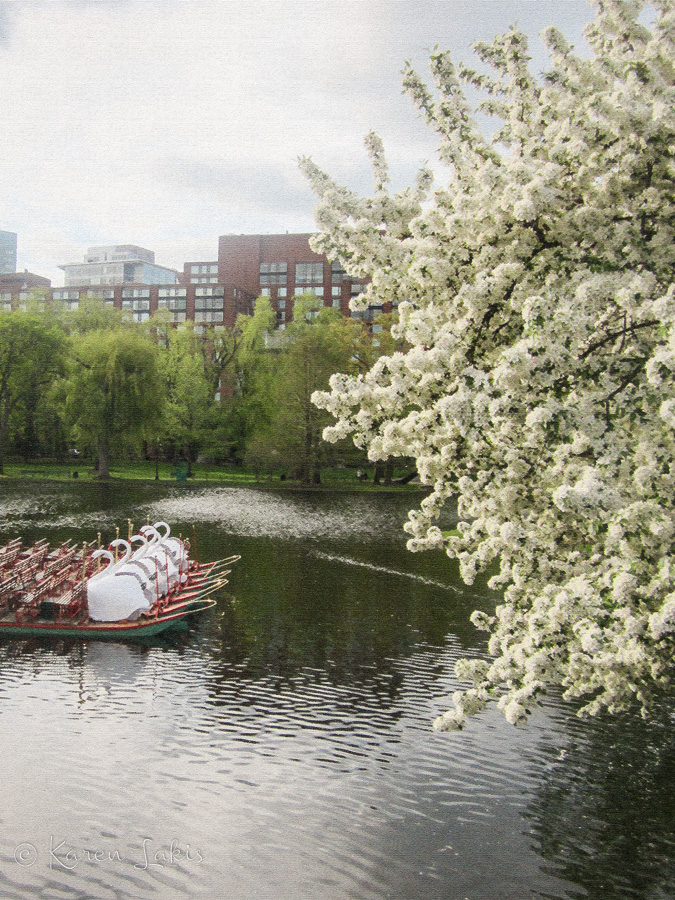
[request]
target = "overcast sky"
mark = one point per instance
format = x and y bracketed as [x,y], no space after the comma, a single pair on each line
[168,123]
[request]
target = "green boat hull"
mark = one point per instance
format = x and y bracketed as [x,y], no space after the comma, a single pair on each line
[104,631]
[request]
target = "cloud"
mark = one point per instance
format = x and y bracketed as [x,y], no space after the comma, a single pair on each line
[5,26]
[261,191]
[162,122]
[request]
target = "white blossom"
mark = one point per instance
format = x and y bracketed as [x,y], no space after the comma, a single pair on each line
[538,381]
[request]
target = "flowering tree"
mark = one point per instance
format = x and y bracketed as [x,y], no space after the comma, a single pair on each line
[535,295]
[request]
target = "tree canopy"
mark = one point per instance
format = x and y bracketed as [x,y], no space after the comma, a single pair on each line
[189,394]
[535,293]
[318,342]
[31,353]
[114,392]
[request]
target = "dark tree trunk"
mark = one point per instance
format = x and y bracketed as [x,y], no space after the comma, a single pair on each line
[306,460]
[4,429]
[103,459]
[388,471]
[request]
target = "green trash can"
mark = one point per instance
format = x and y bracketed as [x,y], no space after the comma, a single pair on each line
[181,471]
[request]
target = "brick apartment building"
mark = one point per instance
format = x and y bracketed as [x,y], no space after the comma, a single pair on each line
[17,287]
[282,266]
[213,293]
[214,305]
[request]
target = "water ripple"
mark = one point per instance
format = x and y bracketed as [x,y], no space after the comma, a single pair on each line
[257,513]
[285,740]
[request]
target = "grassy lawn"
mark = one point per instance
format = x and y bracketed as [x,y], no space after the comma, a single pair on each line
[144,470]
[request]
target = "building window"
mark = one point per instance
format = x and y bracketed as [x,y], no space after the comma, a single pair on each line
[172,292]
[265,292]
[308,273]
[336,303]
[282,292]
[209,303]
[281,304]
[65,295]
[273,273]
[337,273]
[178,317]
[138,309]
[204,269]
[209,291]
[368,315]
[136,305]
[175,304]
[209,309]
[305,289]
[135,292]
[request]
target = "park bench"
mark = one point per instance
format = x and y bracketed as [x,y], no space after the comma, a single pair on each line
[10,588]
[28,602]
[70,603]
[10,553]
[61,563]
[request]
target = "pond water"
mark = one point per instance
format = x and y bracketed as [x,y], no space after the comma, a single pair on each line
[281,747]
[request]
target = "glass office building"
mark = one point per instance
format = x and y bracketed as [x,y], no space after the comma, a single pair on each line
[7,252]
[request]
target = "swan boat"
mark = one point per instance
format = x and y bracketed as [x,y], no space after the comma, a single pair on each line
[121,592]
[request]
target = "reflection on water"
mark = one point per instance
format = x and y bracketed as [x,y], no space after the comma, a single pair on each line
[280,746]
[603,812]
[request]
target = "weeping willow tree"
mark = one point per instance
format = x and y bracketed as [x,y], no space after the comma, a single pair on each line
[114,392]
[31,357]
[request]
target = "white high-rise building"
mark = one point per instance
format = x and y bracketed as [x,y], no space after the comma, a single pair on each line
[118,264]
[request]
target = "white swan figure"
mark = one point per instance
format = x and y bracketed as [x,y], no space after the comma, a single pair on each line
[167,571]
[113,594]
[176,549]
[145,569]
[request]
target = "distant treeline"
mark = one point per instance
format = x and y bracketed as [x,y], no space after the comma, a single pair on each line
[95,382]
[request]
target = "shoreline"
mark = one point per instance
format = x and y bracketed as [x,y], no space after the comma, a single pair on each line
[224,481]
